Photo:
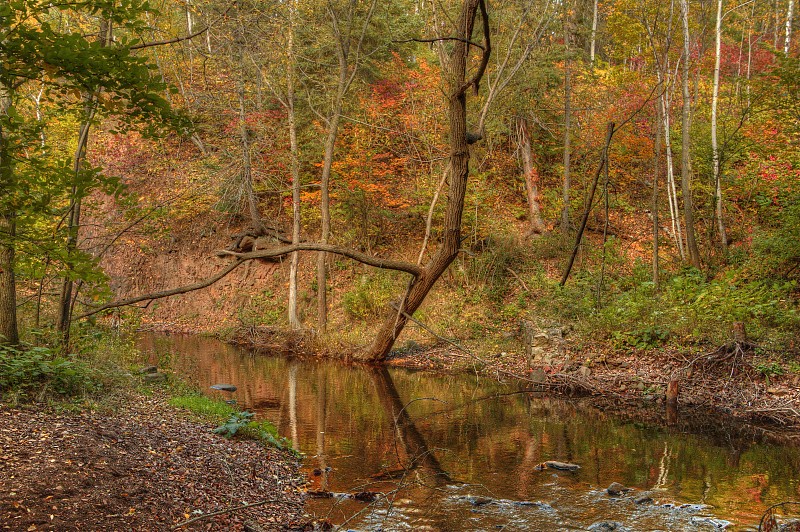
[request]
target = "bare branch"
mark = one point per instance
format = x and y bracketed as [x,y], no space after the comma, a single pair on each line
[164,293]
[226,511]
[476,79]
[181,39]
[388,264]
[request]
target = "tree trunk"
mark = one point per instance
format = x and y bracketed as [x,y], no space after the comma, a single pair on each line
[346,76]
[9,334]
[594,34]
[686,176]
[327,164]
[787,43]
[66,301]
[531,178]
[244,137]
[714,142]
[294,320]
[656,173]
[455,73]
[672,194]
[567,126]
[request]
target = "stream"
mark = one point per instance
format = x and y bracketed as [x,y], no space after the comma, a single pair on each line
[459,452]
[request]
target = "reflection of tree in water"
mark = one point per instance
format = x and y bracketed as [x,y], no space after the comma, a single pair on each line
[420,476]
[408,440]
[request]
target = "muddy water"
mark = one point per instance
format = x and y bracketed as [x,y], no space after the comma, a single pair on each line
[459,453]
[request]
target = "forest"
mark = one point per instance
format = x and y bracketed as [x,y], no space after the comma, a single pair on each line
[586,198]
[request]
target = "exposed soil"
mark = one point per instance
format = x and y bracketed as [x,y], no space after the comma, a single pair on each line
[142,467]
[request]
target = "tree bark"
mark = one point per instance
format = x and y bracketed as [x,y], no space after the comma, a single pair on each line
[686,176]
[9,334]
[455,73]
[294,320]
[714,142]
[66,301]
[531,178]
[787,43]
[567,126]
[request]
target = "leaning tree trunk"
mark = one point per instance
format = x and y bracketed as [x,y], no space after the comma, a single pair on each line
[531,178]
[8,287]
[457,87]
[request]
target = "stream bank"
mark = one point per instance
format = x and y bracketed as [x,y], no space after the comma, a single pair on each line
[462,452]
[629,383]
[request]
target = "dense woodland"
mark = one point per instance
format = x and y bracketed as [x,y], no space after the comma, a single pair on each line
[627,168]
[595,197]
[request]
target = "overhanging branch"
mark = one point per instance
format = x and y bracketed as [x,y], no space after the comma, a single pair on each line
[388,264]
[165,293]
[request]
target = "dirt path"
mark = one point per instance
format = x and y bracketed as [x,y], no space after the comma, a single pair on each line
[144,467]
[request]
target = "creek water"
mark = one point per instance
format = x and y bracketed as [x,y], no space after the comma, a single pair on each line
[457,453]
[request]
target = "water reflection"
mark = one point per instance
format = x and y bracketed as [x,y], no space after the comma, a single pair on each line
[458,453]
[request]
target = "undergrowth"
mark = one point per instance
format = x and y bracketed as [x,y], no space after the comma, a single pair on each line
[33,372]
[232,422]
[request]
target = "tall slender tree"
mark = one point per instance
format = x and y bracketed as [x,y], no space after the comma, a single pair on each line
[686,123]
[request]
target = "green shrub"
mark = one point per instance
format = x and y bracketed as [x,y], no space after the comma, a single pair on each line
[370,294]
[26,368]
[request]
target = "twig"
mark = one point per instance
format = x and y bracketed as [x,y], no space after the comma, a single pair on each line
[518,278]
[185,37]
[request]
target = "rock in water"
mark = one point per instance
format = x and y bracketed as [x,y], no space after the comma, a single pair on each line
[224,387]
[616,489]
[562,466]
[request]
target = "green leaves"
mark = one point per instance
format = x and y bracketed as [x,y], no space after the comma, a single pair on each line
[26,368]
[234,423]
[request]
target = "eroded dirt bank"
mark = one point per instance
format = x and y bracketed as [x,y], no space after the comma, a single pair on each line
[142,467]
